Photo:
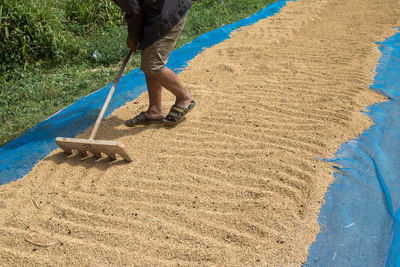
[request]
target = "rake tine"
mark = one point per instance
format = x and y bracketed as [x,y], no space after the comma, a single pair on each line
[112,156]
[83,153]
[97,155]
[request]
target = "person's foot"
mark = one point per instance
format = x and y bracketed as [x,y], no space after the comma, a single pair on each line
[176,114]
[153,115]
[143,119]
[184,102]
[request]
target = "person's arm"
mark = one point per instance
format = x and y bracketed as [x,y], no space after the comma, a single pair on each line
[134,18]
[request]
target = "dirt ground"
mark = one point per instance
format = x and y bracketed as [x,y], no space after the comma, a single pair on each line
[238,183]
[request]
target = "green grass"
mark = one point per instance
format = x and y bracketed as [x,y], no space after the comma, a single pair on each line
[50,30]
[52,66]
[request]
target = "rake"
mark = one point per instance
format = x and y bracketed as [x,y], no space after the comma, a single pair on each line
[97,147]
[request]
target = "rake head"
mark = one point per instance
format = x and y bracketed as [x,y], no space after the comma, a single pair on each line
[95,147]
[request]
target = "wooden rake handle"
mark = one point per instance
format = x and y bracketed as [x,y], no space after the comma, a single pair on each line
[109,96]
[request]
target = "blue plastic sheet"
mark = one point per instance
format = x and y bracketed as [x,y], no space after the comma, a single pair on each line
[360,217]
[18,157]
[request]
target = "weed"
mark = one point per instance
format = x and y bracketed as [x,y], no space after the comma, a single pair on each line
[50,30]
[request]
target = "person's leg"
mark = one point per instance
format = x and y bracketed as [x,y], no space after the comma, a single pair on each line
[153,61]
[155,98]
[154,112]
[170,81]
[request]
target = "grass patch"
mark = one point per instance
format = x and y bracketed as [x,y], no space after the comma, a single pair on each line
[54,65]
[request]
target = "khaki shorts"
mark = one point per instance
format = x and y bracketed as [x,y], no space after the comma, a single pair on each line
[155,57]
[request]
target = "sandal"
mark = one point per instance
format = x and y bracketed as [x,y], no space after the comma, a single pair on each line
[142,119]
[176,114]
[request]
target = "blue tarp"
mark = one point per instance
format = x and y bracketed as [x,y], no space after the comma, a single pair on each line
[18,157]
[361,225]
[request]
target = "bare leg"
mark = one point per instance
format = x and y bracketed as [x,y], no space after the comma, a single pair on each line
[155,98]
[169,80]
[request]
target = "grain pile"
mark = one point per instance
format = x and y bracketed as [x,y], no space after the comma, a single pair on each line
[238,182]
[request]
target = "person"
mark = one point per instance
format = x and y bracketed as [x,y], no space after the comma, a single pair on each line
[153,28]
